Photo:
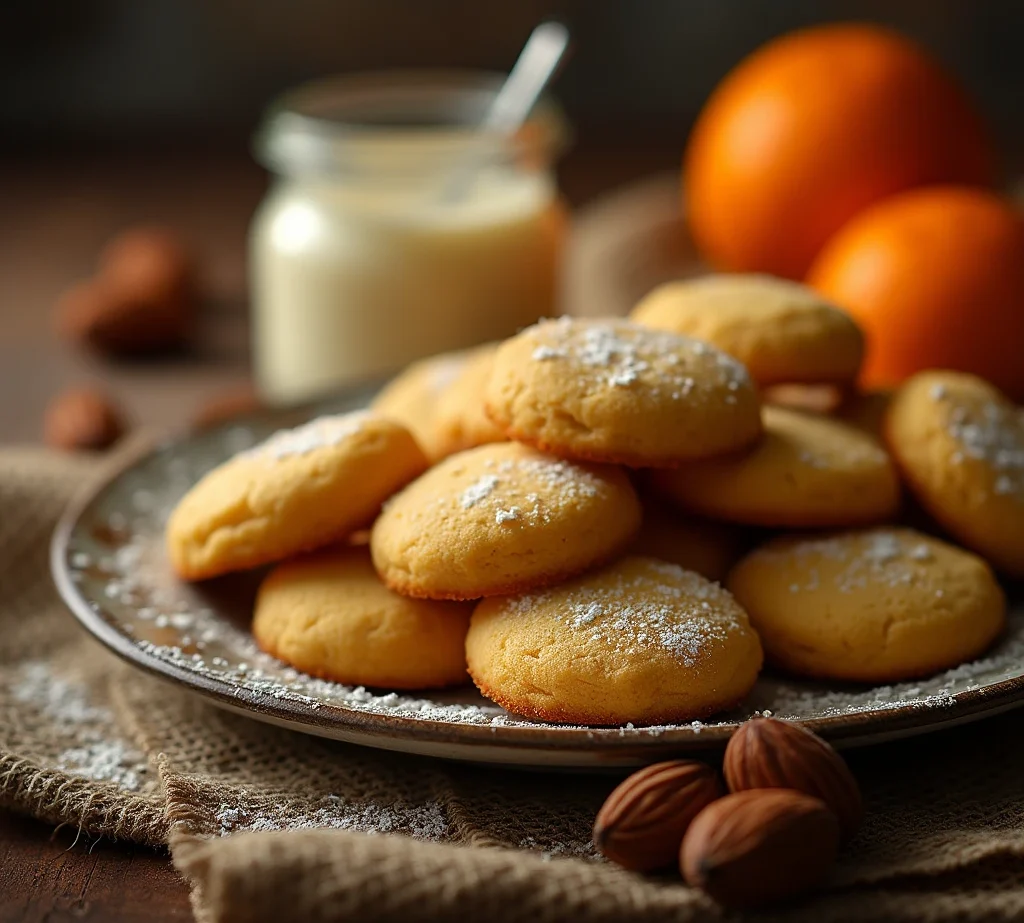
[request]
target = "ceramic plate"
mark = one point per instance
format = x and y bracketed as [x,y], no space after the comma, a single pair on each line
[110,566]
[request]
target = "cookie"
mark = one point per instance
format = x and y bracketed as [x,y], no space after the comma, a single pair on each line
[807,471]
[499,519]
[611,391]
[959,443]
[299,490]
[460,421]
[783,332]
[412,398]
[640,641]
[702,545]
[329,615]
[878,605]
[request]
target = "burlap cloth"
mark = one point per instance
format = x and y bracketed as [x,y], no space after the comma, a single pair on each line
[271,825]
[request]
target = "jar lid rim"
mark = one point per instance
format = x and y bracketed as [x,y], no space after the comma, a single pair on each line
[310,126]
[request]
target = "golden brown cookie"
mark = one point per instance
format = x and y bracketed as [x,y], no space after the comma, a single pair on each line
[710,548]
[639,641]
[459,418]
[412,398]
[301,489]
[499,519]
[879,605]
[808,471]
[328,614]
[959,443]
[611,391]
[782,331]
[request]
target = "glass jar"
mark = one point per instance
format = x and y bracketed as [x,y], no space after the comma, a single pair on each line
[367,251]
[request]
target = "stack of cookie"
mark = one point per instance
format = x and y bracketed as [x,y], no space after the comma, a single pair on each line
[553,511]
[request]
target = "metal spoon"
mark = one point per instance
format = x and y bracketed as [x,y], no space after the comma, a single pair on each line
[531,73]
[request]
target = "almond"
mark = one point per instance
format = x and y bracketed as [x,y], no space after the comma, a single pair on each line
[150,262]
[141,301]
[82,419]
[769,753]
[642,823]
[760,846]
[120,322]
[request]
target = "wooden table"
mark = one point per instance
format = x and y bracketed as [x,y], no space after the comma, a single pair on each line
[54,217]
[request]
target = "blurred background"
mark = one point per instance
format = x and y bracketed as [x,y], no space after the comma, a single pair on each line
[116,112]
[176,73]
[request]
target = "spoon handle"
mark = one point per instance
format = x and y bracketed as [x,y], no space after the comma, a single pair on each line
[532,71]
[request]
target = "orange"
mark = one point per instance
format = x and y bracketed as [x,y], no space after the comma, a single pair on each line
[814,127]
[935,277]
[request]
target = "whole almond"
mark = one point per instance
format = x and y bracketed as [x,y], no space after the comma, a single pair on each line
[116,321]
[142,300]
[82,419]
[769,753]
[150,262]
[642,823]
[760,846]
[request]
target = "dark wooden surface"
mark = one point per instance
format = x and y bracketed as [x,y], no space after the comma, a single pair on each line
[55,215]
[45,875]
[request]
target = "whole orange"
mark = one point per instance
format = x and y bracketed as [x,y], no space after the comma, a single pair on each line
[814,127]
[936,279]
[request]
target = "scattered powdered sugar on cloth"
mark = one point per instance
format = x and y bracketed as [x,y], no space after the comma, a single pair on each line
[95,748]
[421,821]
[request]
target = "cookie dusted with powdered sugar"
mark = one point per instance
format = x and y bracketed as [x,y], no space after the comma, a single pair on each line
[808,471]
[959,443]
[301,489]
[640,641]
[782,331]
[612,391]
[499,519]
[879,605]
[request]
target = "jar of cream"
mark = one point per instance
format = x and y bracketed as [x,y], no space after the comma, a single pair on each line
[365,255]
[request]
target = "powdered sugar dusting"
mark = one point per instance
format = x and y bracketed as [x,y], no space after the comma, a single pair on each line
[316,434]
[105,761]
[880,557]
[992,434]
[654,606]
[96,750]
[477,491]
[620,355]
[421,821]
[527,490]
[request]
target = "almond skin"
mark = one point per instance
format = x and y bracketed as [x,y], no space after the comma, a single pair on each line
[82,419]
[142,300]
[769,753]
[119,322]
[761,846]
[642,824]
